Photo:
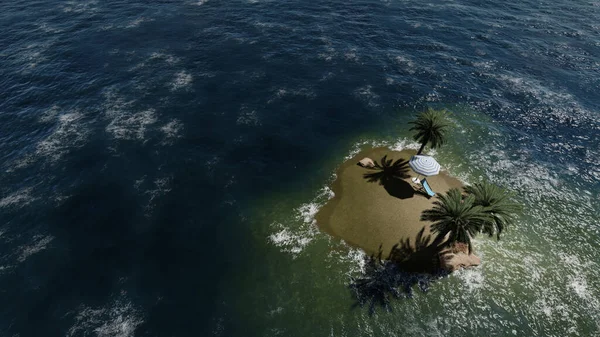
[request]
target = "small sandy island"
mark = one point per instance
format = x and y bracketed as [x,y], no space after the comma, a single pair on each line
[380,212]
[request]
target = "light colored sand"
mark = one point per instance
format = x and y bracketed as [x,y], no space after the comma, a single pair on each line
[365,215]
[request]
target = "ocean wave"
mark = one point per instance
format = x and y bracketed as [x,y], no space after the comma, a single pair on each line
[246,116]
[161,186]
[297,233]
[354,258]
[182,81]
[71,132]
[406,63]
[394,145]
[78,7]
[20,198]
[287,92]
[131,125]
[366,94]
[152,59]
[171,131]
[119,318]
[39,243]
[137,22]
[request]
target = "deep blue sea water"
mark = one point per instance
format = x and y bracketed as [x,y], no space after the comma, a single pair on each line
[161,162]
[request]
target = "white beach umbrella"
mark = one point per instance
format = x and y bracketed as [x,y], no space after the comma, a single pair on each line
[424,165]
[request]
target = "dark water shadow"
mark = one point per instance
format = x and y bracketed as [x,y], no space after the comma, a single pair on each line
[396,276]
[391,174]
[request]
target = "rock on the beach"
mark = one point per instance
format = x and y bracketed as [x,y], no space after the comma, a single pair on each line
[457,257]
[367,162]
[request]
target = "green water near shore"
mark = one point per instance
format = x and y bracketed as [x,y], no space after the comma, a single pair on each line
[542,278]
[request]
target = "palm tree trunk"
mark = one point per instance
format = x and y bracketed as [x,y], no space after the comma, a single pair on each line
[422,146]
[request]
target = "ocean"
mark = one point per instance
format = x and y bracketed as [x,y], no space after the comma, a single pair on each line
[161,162]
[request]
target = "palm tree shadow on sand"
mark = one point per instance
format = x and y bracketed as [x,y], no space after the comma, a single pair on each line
[390,175]
[396,276]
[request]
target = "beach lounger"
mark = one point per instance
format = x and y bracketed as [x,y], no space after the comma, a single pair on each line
[427,188]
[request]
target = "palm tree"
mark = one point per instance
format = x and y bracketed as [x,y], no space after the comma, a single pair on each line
[388,170]
[456,216]
[497,204]
[431,128]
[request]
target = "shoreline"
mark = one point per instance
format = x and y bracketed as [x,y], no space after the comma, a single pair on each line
[380,217]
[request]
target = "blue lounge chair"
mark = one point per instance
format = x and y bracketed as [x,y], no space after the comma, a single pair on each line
[427,188]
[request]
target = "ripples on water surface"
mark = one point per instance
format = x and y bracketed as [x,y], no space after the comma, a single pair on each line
[161,163]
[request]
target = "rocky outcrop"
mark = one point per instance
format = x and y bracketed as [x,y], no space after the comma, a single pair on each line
[367,162]
[457,257]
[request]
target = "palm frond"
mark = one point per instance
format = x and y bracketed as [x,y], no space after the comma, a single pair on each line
[431,127]
[497,203]
[456,215]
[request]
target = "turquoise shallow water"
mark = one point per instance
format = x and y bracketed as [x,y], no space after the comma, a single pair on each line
[161,162]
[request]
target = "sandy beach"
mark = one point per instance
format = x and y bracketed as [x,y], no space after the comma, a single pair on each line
[375,216]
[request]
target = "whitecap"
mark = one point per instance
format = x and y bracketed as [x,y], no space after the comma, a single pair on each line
[136,23]
[297,233]
[131,125]
[367,95]
[171,131]
[247,117]
[19,198]
[120,318]
[394,145]
[70,133]
[283,92]
[78,7]
[351,56]
[406,63]
[183,80]
[471,278]
[161,186]
[39,243]
[170,59]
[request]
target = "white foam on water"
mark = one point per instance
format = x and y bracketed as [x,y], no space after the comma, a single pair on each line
[170,59]
[290,241]
[471,278]
[354,259]
[396,145]
[18,199]
[119,318]
[32,55]
[554,104]
[295,235]
[330,52]
[161,187]
[275,311]
[46,28]
[130,125]
[366,94]
[136,23]
[138,183]
[70,133]
[406,63]
[246,116]
[351,56]
[279,93]
[156,56]
[50,114]
[39,243]
[78,7]
[171,131]
[182,81]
